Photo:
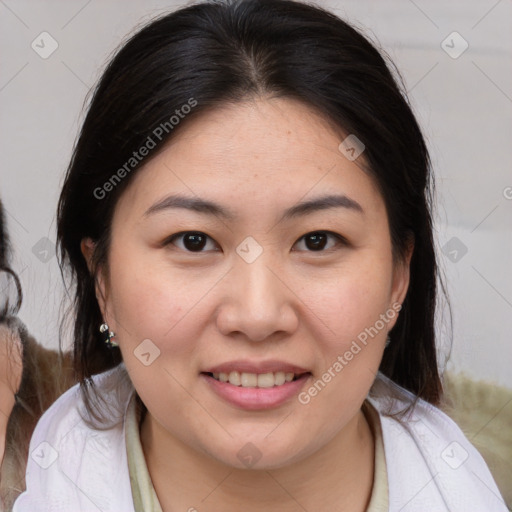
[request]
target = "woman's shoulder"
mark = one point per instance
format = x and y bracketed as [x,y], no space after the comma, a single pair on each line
[75,461]
[109,396]
[431,464]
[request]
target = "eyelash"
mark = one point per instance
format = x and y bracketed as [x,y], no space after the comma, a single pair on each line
[341,240]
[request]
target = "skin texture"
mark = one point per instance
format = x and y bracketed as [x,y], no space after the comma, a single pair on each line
[292,303]
[11,366]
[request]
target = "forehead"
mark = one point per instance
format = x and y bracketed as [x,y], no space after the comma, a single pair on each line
[258,153]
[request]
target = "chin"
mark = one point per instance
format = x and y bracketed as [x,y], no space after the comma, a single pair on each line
[258,454]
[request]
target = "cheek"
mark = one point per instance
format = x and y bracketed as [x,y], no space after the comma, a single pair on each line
[143,305]
[149,304]
[352,298]
[350,345]
[148,295]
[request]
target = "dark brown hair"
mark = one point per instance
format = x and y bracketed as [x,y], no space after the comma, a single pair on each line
[8,306]
[220,52]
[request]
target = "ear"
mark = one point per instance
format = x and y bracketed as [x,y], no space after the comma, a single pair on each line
[401,278]
[88,246]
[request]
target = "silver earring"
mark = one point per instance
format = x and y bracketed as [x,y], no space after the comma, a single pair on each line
[388,341]
[109,336]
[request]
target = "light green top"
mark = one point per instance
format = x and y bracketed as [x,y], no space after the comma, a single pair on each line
[379,501]
[143,492]
[144,495]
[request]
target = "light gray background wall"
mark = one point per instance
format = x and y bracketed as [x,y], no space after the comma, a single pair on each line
[464,103]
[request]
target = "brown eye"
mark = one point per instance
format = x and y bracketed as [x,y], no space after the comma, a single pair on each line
[191,241]
[318,241]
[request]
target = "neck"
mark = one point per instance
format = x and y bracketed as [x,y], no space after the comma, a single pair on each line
[339,476]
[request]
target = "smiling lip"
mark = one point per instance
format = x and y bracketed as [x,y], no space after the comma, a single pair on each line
[255,398]
[246,366]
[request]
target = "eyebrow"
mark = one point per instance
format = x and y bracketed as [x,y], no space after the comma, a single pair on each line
[210,208]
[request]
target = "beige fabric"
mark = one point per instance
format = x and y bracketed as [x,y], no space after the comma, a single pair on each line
[145,497]
[483,411]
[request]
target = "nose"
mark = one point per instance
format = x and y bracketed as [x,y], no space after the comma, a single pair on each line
[256,302]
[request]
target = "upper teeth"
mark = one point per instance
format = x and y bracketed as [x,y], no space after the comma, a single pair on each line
[252,380]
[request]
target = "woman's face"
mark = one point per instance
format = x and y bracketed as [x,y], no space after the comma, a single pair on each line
[251,248]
